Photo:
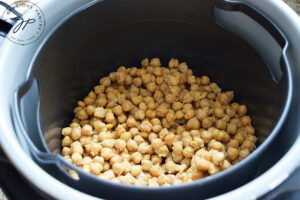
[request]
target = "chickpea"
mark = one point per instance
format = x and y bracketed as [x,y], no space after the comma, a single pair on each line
[218,135]
[99,89]
[155,62]
[101,101]
[226,165]
[218,158]
[161,111]
[131,122]
[247,144]
[100,112]
[76,147]
[138,139]
[145,62]
[126,106]
[173,80]
[136,170]
[67,141]
[188,152]
[90,109]
[232,153]
[108,143]
[162,179]
[177,106]
[201,163]
[191,80]
[170,117]
[171,167]
[251,138]
[174,90]
[213,169]
[157,71]
[193,124]
[250,130]
[173,63]
[66,131]
[105,81]
[132,145]
[125,136]
[140,114]
[186,161]
[146,126]
[169,139]
[125,156]
[170,98]
[158,95]
[151,105]
[81,104]
[239,137]
[182,67]
[177,148]
[120,145]
[197,143]
[150,114]
[76,133]
[117,110]
[205,80]
[137,100]
[96,168]
[231,128]
[226,137]
[162,151]
[120,77]
[87,130]
[106,166]
[155,170]
[221,124]
[230,111]
[82,114]
[157,126]
[76,158]
[146,78]
[122,118]
[156,143]
[146,165]
[206,123]
[144,148]
[189,114]
[244,153]
[179,114]
[233,143]
[206,136]
[188,98]
[66,151]
[152,182]
[107,153]
[118,168]
[136,157]
[242,110]
[159,80]
[201,114]
[219,112]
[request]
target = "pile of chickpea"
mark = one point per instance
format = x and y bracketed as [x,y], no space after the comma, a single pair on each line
[157,126]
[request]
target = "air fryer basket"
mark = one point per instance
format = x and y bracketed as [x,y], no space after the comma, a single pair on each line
[112,33]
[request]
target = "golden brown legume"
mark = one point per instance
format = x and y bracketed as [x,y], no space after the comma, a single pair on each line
[157,126]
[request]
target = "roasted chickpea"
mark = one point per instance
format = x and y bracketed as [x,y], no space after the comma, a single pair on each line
[155,125]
